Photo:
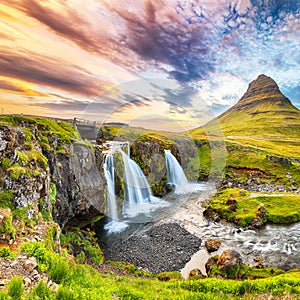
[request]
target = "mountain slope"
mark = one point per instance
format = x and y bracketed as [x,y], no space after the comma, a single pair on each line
[262,112]
[263,118]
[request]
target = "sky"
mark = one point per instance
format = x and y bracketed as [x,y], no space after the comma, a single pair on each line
[161,64]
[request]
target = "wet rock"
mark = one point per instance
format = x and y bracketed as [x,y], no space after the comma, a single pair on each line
[212,245]
[210,262]
[196,273]
[228,259]
[170,187]
[259,265]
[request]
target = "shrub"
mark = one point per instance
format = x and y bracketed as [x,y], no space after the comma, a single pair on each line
[5,252]
[65,293]
[3,295]
[7,226]
[41,291]
[6,199]
[16,288]
[59,270]
[5,163]
[39,251]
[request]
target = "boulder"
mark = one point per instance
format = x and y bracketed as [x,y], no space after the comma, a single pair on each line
[212,245]
[30,264]
[210,262]
[281,160]
[196,272]
[260,216]
[228,259]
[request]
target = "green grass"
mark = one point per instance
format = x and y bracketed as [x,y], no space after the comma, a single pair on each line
[79,281]
[283,209]
[264,124]
[47,127]
[251,158]
[86,243]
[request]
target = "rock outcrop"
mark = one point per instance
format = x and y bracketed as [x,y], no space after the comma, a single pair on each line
[23,171]
[79,185]
[28,166]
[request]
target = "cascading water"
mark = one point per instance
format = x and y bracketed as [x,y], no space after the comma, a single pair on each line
[175,173]
[137,189]
[109,172]
[138,196]
[176,176]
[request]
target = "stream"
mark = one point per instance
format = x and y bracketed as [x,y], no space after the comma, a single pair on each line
[157,243]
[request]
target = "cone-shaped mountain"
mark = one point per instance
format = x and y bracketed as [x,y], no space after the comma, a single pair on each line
[263,111]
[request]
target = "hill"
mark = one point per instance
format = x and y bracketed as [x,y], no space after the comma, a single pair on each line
[262,118]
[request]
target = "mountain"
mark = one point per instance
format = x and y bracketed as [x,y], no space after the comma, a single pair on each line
[263,112]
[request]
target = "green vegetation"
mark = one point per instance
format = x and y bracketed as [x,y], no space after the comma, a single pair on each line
[83,245]
[46,210]
[16,288]
[16,171]
[239,206]
[79,281]
[6,226]
[6,197]
[5,163]
[249,160]
[10,213]
[32,156]
[6,253]
[65,132]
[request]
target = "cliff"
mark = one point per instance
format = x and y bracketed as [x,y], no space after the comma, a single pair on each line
[48,171]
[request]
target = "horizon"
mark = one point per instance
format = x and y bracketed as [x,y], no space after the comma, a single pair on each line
[172,65]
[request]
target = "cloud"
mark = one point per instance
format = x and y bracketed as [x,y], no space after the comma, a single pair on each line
[4,85]
[208,50]
[49,71]
[75,105]
[187,36]
[10,87]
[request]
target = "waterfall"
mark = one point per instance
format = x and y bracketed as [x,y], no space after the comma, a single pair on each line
[137,189]
[109,172]
[177,178]
[175,173]
[139,201]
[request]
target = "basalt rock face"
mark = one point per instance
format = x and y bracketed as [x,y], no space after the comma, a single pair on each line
[23,170]
[27,171]
[79,185]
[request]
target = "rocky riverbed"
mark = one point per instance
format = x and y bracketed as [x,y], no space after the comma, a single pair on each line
[159,248]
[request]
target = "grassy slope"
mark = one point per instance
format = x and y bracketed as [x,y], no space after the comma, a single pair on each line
[80,281]
[283,208]
[266,126]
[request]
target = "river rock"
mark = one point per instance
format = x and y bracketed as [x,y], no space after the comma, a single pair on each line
[160,248]
[260,216]
[228,259]
[212,245]
[196,272]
